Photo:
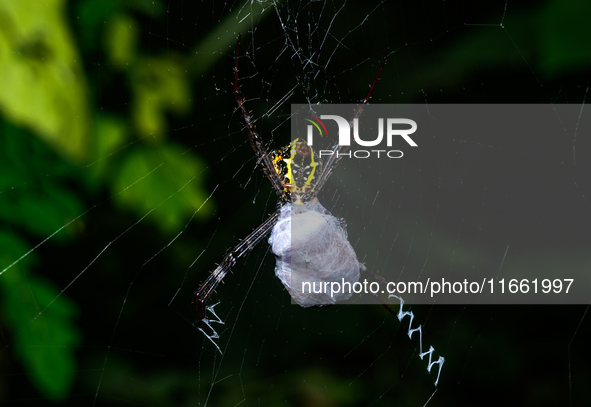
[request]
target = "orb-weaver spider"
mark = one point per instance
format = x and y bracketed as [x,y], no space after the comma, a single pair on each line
[321,252]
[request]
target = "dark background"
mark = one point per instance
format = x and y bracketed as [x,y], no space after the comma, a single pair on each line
[119,133]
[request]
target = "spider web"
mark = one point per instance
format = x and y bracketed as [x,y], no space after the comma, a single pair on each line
[103,251]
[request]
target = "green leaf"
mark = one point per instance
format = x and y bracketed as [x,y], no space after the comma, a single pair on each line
[30,199]
[111,132]
[159,85]
[41,321]
[564,36]
[167,178]
[121,38]
[42,82]
[45,212]
[92,15]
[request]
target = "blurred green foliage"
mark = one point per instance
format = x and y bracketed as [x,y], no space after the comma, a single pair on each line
[45,90]
[60,149]
[44,338]
[553,36]
[41,77]
[563,37]
[45,344]
[183,174]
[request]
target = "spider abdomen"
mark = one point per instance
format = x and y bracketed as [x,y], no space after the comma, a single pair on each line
[312,251]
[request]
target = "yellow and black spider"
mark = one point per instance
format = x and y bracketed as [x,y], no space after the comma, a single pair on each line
[308,242]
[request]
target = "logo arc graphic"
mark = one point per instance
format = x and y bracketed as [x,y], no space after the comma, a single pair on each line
[317,123]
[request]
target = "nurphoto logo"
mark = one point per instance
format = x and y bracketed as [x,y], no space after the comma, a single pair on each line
[388,127]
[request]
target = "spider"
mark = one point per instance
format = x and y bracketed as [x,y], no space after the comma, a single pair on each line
[308,242]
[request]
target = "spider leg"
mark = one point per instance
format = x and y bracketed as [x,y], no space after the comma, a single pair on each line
[257,235]
[337,150]
[255,140]
[241,249]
